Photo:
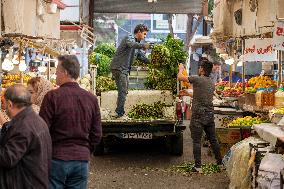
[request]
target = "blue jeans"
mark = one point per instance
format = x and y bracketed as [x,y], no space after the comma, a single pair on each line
[68,174]
[121,80]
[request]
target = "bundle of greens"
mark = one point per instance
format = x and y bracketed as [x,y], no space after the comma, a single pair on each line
[165,59]
[104,84]
[106,49]
[146,111]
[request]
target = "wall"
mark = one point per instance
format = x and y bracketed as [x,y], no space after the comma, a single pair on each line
[20,16]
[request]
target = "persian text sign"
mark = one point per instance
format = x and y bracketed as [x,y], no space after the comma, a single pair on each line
[278,36]
[257,49]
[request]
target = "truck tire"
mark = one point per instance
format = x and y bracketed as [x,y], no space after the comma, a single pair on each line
[176,144]
[99,149]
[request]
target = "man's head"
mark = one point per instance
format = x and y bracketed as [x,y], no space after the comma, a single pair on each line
[140,31]
[17,98]
[205,68]
[216,66]
[68,69]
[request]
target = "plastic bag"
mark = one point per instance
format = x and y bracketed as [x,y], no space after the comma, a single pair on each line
[237,164]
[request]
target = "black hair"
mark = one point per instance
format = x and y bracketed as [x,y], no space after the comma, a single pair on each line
[217,63]
[141,28]
[18,95]
[71,64]
[207,67]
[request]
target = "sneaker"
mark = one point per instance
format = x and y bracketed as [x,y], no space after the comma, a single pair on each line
[198,170]
[123,117]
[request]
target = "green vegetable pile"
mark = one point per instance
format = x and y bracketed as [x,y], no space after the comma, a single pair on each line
[138,62]
[206,168]
[105,84]
[101,57]
[146,111]
[165,59]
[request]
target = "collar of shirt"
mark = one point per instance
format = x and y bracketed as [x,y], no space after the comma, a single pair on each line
[70,84]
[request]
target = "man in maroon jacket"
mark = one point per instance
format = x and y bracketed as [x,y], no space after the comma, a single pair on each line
[74,121]
[25,145]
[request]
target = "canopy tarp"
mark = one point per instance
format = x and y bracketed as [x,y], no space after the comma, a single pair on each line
[138,6]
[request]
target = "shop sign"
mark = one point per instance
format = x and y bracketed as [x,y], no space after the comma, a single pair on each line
[257,49]
[278,36]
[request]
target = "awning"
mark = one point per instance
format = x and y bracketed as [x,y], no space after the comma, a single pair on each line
[148,6]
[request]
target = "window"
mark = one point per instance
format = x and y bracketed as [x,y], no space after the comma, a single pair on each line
[159,23]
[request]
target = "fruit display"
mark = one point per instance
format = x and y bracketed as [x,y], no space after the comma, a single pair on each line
[247,121]
[277,111]
[11,79]
[146,111]
[104,84]
[163,67]
[261,82]
[231,92]
[250,90]
[219,87]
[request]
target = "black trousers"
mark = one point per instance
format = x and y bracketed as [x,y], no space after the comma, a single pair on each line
[198,124]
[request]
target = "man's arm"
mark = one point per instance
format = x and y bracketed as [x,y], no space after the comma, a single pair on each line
[96,128]
[141,56]
[14,149]
[130,42]
[47,109]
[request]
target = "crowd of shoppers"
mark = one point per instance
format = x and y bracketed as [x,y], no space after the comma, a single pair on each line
[52,148]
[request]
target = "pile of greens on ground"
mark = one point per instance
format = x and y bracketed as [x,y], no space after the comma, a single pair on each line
[206,168]
[146,111]
[102,57]
[163,67]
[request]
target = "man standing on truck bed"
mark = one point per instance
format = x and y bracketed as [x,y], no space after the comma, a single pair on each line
[122,60]
[202,111]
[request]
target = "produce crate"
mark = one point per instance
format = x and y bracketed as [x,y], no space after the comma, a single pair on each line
[232,135]
[250,99]
[241,101]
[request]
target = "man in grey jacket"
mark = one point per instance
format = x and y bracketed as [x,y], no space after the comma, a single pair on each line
[122,60]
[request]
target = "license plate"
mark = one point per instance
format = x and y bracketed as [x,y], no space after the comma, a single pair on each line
[137,135]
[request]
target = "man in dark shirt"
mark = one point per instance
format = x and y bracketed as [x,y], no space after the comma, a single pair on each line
[74,121]
[25,145]
[122,60]
[202,111]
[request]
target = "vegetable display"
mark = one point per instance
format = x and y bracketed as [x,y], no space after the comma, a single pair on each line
[106,49]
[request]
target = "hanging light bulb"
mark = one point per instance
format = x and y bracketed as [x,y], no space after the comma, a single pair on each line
[7,65]
[22,66]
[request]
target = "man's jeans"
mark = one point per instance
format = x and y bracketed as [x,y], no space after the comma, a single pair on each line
[121,80]
[68,174]
[197,125]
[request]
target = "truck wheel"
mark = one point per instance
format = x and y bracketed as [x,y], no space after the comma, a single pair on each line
[176,142]
[99,149]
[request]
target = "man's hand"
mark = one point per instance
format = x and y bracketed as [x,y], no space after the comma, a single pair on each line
[185,93]
[146,45]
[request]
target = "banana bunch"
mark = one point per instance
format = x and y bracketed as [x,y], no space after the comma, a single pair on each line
[277,111]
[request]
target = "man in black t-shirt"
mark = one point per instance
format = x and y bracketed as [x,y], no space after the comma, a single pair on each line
[202,111]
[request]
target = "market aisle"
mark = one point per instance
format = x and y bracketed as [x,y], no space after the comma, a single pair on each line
[146,166]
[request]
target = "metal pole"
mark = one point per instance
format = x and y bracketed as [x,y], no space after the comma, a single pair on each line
[48,68]
[243,68]
[279,68]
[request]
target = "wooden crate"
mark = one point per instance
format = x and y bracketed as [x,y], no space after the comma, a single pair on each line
[232,135]
[250,99]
